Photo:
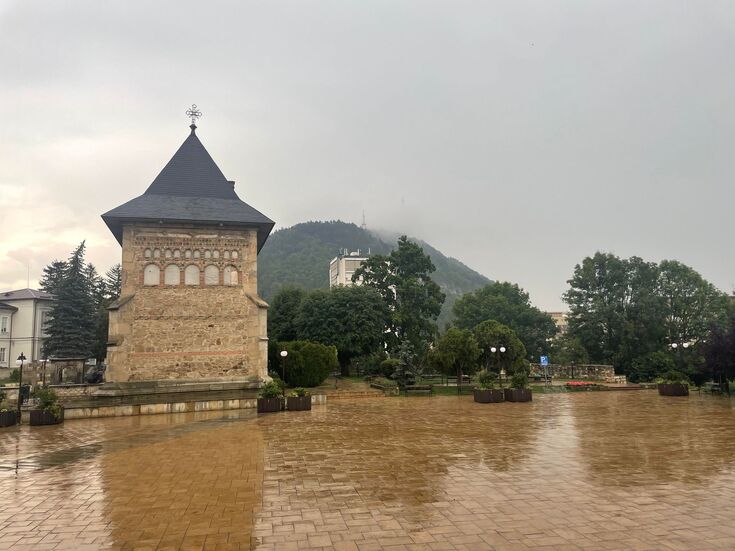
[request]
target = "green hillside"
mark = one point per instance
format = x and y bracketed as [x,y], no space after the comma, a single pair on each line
[300,256]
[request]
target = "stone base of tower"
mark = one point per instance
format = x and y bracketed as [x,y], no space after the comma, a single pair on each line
[202,335]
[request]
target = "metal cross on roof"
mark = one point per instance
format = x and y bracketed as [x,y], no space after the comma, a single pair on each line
[194,113]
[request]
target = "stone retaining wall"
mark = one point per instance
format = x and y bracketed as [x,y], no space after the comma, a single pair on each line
[583,371]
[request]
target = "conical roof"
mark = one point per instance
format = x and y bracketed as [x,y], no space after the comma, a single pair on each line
[190,189]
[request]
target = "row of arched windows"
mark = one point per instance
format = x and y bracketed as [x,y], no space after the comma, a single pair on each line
[188,253]
[172,275]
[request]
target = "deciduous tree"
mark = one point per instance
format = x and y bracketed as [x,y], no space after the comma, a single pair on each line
[510,305]
[353,319]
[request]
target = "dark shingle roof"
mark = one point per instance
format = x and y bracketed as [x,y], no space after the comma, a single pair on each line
[192,189]
[25,294]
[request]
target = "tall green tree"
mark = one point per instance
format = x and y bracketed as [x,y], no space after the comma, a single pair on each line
[568,350]
[692,304]
[625,309]
[719,355]
[510,305]
[353,319]
[455,353]
[493,334]
[52,276]
[283,312]
[72,328]
[403,279]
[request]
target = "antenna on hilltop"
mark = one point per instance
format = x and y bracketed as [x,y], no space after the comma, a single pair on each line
[364,224]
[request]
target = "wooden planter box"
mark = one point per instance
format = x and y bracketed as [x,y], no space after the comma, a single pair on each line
[8,418]
[673,389]
[269,405]
[488,396]
[518,395]
[298,403]
[43,417]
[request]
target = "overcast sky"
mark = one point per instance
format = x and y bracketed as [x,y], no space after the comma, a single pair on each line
[516,136]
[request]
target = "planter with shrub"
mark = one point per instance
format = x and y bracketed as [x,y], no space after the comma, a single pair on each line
[49,411]
[485,391]
[8,417]
[518,391]
[673,383]
[270,398]
[299,399]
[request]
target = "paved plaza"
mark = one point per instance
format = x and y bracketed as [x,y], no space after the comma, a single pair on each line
[598,470]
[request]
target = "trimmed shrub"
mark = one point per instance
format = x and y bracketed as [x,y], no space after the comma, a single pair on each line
[388,367]
[308,364]
[485,379]
[519,380]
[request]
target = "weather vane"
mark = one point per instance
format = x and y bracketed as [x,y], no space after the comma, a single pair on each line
[194,113]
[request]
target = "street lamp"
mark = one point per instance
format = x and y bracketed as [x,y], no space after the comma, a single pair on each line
[284,355]
[680,347]
[19,362]
[501,371]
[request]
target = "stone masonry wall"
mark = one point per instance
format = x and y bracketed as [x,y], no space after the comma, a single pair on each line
[179,331]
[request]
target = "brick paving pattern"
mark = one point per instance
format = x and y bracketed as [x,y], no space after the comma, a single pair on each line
[568,471]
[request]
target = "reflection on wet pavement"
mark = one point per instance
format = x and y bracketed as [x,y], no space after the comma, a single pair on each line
[573,471]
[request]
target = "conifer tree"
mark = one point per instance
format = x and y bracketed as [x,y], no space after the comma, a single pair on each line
[73,325]
[52,276]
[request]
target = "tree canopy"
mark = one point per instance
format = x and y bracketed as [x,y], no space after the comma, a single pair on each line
[283,312]
[352,319]
[455,353]
[624,309]
[403,279]
[492,334]
[72,328]
[510,305]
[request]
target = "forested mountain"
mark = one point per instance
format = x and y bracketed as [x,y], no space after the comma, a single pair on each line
[300,256]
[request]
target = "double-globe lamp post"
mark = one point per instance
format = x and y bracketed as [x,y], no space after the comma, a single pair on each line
[680,347]
[500,352]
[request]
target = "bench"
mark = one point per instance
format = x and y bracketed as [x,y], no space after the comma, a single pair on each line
[418,388]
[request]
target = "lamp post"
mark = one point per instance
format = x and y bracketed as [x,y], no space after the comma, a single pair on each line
[680,348]
[284,355]
[500,352]
[19,362]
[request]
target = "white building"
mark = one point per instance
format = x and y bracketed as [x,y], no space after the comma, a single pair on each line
[343,266]
[22,317]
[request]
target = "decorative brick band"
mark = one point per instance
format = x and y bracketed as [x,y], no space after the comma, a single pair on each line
[193,353]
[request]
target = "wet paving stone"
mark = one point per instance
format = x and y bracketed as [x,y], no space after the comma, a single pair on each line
[609,470]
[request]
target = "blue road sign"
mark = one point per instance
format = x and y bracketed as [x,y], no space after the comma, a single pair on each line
[544,360]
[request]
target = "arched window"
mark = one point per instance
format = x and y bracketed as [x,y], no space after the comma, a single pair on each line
[148,253]
[207,254]
[196,254]
[211,275]
[230,275]
[215,254]
[172,275]
[227,255]
[234,255]
[151,275]
[177,253]
[191,275]
[157,253]
[187,253]
[167,253]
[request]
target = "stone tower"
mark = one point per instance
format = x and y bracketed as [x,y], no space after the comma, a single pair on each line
[189,307]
